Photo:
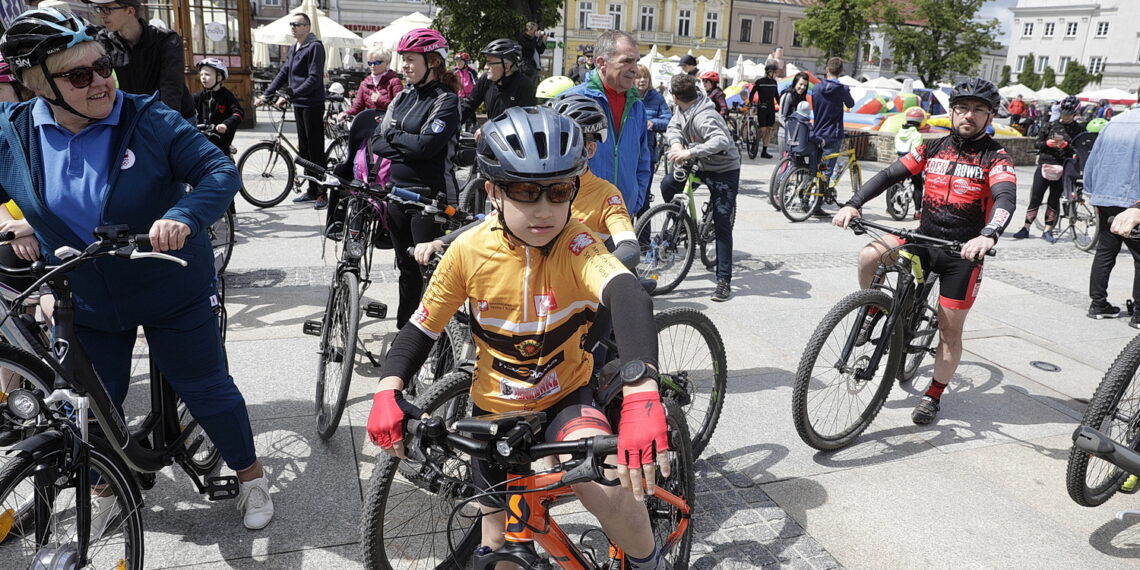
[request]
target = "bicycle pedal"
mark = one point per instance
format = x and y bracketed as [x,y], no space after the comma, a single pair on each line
[376,310]
[312,327]
[222,488]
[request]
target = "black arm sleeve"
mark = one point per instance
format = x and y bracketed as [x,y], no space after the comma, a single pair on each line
[1005,201]
[628,253]
[633,319]
[408,353]
[879,183]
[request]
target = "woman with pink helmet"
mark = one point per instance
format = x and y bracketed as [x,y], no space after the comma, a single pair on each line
[416,136]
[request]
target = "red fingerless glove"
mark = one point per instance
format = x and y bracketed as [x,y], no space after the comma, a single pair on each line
[1062,144]
[641,433]
[386,420]
[1051,143]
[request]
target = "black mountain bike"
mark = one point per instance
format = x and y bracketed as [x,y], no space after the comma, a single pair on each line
[842,380]
[69,492]
[340,323]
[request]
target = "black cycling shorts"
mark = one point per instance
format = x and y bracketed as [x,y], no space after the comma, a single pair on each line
[958,278]
[766,117]
[572,413]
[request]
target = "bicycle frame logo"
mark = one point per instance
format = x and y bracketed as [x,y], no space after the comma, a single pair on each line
[61,347]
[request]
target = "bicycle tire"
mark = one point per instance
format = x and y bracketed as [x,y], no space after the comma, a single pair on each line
[338,352]
[753,138]
[806,392]
[775,180]
[221,234]
[451,395]
[663,517]
[1114,410]
[48,472]
[798,198]
[267,174]
[206,458]
[473,197]
[691,351]
[922,328]
[337,151]
[898,201]
[1086,226]
[668,244]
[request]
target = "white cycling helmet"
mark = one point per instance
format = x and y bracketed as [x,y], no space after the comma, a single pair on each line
[336,88]
[215,63]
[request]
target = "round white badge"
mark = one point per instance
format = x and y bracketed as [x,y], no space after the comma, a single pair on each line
[216,31]
[128,159]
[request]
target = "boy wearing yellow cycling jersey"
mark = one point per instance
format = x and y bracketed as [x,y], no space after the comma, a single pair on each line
[535,278]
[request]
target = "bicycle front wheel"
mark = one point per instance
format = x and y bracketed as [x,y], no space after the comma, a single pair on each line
[407,517]
[798,196]
[38,492]
[222,238]
[831,405]
[1085,225]
[668,240]
[775,181]
[337,151]
[672,526]
[691,355]
[753,138]
[898,201]
[1114,411]
[338,352]
[267,174]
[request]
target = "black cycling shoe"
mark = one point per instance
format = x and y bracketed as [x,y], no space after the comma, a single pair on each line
[1103,311]
[925,411]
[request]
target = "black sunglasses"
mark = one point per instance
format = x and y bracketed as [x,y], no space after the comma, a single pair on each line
[377,62]
[530,192]
[103,10]
[81,77]
[297,24]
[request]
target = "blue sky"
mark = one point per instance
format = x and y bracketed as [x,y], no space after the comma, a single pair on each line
[999,9]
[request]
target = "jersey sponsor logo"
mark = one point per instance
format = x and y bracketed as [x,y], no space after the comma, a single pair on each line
[484,305]
[549,384]
[581,242]
[525,372]
[128,159]
[437,126]
[968,171]
[529,347]
[1001,216]
[938,166]
[545,304]
[421,314]
[961,186]
[614,200]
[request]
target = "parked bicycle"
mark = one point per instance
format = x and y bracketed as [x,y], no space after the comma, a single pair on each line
[339,325]
[1076,215]
[266,168]
[842,380]
[900,199]
[422,512]
[69,493]
[745,129]
[222,232]
[670,235]
[803,192]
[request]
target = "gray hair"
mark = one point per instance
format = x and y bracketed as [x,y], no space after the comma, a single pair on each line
[606,44]
[380,53]
[33,78]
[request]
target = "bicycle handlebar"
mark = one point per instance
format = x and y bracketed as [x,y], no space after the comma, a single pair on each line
[1134,234]
[859,225]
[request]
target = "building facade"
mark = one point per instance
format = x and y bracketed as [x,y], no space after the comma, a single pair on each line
[1103,36]
[676,27]
[760,26]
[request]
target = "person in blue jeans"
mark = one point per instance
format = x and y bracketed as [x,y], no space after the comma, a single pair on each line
[1115,192]
[829,99]
[698,133]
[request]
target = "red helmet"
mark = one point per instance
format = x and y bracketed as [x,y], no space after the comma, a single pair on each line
[915,114]
[464,56]
[423,40]
[710,76]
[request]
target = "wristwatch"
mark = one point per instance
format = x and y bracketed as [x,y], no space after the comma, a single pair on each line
[635,371]
[989,232]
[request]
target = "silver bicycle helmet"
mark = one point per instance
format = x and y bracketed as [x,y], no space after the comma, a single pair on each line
[586,112]
[527,144]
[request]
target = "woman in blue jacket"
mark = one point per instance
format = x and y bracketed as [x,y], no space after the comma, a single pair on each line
[82,154]
[657,114]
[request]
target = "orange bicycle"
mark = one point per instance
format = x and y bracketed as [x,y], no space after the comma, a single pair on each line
[422,512]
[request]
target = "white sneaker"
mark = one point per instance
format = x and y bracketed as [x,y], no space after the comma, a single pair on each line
[103,510]
[255,504]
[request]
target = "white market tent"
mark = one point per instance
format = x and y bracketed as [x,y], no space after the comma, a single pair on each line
[334,36]
[1112,94]
[389,37]
[882,83]
[1011,91]
[849,81]
[1051,94]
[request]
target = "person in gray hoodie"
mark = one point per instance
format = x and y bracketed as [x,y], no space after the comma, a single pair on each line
[698,134]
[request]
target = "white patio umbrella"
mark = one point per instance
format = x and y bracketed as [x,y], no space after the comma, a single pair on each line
[649,58]
[260,54]
[1051,94]
[882,83]
[389,37]
[849,81]
[331,34]
[1112,94]
[1011,91]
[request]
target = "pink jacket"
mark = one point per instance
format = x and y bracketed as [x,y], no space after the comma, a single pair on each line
[376,92]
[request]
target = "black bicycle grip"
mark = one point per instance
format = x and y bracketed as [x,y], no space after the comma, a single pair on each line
[7,236]
[310,166]
[1134,234]
[142,240]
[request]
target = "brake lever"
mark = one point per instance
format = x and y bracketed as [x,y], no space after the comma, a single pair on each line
[136,254]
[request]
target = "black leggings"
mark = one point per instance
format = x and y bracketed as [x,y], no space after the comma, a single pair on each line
[1107,250]
[410,226]
[1038,192]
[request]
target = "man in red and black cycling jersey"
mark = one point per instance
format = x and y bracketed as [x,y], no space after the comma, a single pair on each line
[970,194]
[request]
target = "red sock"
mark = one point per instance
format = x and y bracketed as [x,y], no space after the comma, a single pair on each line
[935,390]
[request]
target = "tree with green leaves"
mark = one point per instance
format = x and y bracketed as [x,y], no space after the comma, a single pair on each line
[940,38]
[1077,77]
[469,25]
[1028,77]
[1004,76]
[836,27]
[1049,77]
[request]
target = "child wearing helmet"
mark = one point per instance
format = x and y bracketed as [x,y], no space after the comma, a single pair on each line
[711,82]
[215,105]
[908,139]
[552,87]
